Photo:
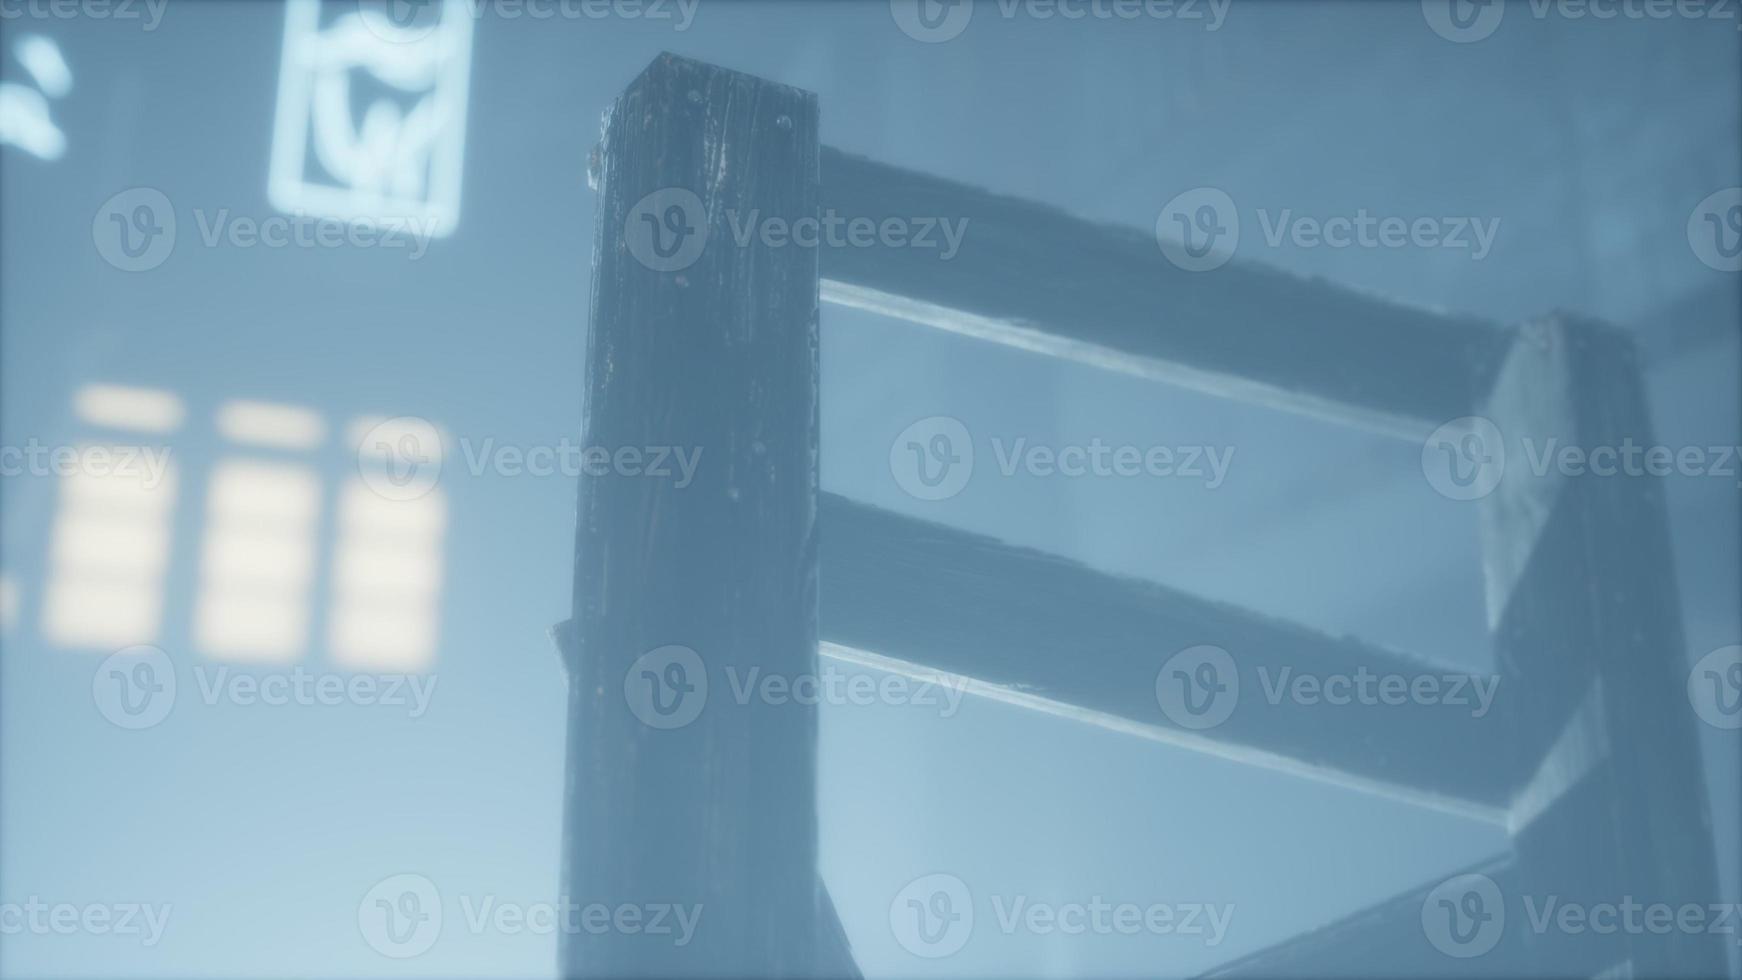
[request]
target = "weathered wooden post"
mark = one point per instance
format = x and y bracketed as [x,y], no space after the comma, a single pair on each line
[1587,632]
[702,342]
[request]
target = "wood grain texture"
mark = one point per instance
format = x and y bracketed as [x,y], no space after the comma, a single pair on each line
[1011,616]
[1259,333]
[1589,634]
[717,357]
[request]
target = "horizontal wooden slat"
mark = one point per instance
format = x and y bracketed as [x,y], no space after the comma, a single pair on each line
[1388,940]
[1035,277]
[1046,632]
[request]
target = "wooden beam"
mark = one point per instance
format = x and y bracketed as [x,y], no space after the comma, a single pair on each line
[1050,633]
[1032,276]
[1391,939]
[675,796]
[1587,626]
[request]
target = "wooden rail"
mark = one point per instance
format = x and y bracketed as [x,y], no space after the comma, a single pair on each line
[1093,644]
[1034,277]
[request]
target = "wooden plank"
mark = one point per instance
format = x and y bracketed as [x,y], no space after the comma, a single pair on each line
[1037,629]
[1588,628]
[1391,938]
[676,795]
[1035,277]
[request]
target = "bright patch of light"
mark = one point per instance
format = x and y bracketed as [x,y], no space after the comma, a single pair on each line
[8,602]
[131,409]
[25,123]
[41,57]
[387,579]
[109,548]
[257,562]
[369,516]
[25,119]
[276,426]
[395,157]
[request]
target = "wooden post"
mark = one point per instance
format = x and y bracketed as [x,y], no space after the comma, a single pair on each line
[700,343]
[1587,631]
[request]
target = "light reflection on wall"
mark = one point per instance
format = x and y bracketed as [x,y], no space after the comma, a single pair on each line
[259,542]
[273,426]
[387,567]
[132,409]
[387,578]
[111,538]
[257,562]
[8,602]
